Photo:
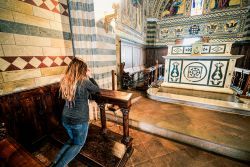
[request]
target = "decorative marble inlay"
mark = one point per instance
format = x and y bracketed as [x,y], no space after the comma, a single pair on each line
[195,71]
[30,62]
[51,5]
[4,64]
[198,72]
[177,50]
[187,49]
[205,49]
[217,49]
[218,72]
[175,71]
[194,29]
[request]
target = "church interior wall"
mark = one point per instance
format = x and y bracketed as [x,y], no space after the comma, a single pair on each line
[218,23]
[35,43]
[91,42]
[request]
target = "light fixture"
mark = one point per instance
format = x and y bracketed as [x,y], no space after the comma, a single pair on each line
[108,18]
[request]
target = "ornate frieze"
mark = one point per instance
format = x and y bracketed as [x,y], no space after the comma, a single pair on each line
[220,25]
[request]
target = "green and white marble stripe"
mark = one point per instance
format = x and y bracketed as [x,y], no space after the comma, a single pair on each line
[91,42]
[97,58]
[104,69]
[81,5]
[92,51]
[93,37]
[100,24]
[25,29]
[83,22]
[78,14]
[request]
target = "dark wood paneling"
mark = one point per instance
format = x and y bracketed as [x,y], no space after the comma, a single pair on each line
[13,155]
[242,49]
[153,54]
[31,115]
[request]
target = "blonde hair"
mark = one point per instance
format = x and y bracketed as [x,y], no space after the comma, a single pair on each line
[75,72]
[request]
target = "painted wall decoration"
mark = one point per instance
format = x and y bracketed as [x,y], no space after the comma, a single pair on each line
[194,30]
[173,7]
[222,4]
[197,7]
[132,15]
[136,3]
[161,8]
[218,20]
[222,26]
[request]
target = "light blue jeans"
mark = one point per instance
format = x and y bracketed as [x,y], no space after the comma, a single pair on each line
[78,135]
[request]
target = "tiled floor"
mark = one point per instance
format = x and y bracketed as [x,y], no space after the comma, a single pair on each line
[153,151]
[223,128]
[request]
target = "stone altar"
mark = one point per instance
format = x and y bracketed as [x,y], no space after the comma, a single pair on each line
[202,66]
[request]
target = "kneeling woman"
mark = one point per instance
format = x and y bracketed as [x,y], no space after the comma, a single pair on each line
[75,87]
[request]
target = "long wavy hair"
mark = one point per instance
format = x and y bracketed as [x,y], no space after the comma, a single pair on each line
[75,72]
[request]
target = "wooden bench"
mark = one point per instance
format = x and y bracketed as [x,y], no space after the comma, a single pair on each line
[13,154]
[33,115]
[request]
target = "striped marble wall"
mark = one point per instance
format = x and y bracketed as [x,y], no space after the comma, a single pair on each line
[91,42]
[35,43]
[151,33]
[246,34]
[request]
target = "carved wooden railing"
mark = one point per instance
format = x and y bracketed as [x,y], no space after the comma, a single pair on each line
[148,76]
[241,82]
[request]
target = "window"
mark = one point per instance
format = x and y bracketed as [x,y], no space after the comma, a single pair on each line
[190,41]
[197,7]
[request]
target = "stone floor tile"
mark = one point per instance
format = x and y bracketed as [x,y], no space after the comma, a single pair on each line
[155,148]
[140,154]
[172,146]
[222,128]
[129,163]
[148,163]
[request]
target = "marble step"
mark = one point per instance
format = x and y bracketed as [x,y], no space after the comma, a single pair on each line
[236,153]
[212,102]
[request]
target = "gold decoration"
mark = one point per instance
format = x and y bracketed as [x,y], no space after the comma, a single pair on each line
[108,18]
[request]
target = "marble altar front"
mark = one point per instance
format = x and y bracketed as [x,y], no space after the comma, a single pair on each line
[202,66]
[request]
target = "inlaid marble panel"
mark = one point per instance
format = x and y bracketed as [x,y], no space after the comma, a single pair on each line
[32,62]
[218,73]
[195,72]
[60,7]
[175,67]
[206,48]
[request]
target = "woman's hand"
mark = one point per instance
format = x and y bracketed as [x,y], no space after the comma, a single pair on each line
[88,73]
